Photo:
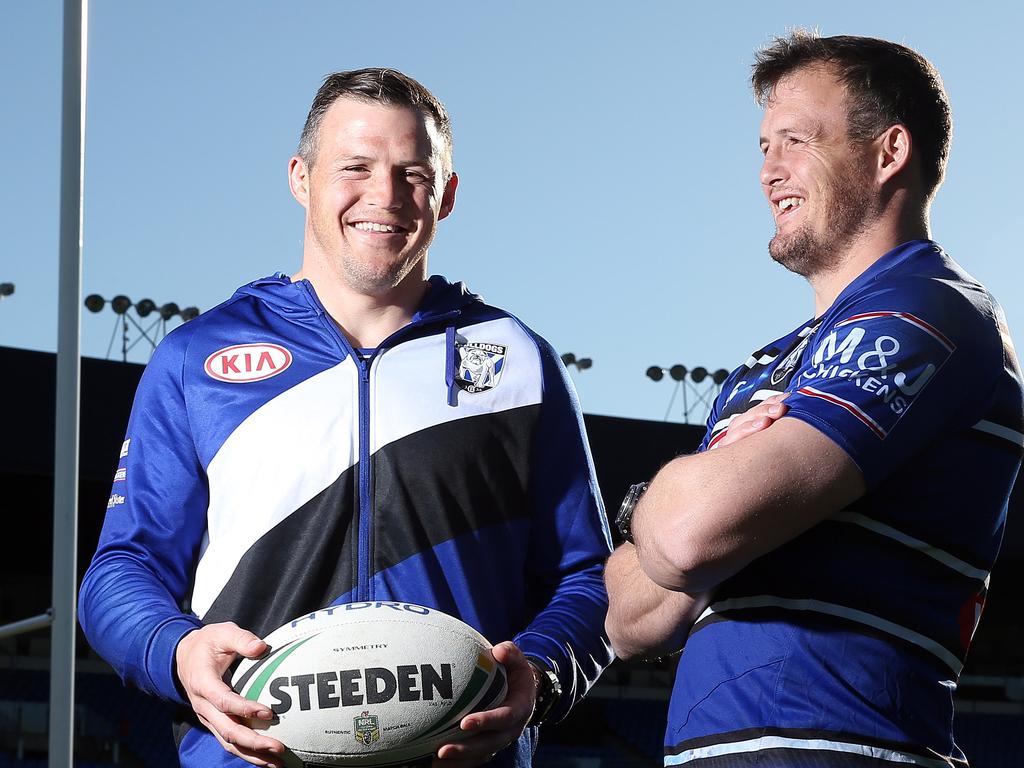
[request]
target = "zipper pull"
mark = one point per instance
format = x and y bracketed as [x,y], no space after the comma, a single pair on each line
[449,367]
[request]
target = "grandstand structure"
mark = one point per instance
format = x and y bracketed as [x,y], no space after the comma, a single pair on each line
[620,724]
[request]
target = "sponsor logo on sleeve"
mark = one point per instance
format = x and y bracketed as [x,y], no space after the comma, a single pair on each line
[115,500]
[124,448]
[874,365]
[243,363]
[121,475]
[480,365]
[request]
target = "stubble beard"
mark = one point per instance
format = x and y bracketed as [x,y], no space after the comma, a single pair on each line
[378,278]
[367,276]
[849,211]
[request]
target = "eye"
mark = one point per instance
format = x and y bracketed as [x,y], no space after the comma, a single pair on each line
[416,175]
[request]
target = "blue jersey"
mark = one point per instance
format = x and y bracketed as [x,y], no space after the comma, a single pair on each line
[849,639]
[270,470]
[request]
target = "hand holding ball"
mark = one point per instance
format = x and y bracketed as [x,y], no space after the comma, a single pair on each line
[371,684]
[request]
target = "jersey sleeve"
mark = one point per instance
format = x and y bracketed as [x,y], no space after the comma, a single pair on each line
[893,373]
[131,596]
[569,545]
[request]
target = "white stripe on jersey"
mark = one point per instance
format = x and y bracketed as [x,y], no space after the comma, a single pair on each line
[408,382]
[998,430]
[923,547]
[762,360]
[826,745]
[841,611]
[757,397]
[294,446]
[283,454]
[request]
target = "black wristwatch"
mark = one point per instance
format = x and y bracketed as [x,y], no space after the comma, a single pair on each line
[549,690]
[624,519]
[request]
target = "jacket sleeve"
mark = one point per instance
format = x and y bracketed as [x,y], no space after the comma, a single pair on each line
[570,543]
[131,596]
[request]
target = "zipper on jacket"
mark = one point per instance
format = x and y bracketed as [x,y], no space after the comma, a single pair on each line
[364,514]
[364,510]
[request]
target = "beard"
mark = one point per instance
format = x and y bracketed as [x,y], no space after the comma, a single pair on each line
[849,209]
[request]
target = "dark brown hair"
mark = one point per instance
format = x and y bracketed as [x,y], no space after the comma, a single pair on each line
[376,85]
[886,84]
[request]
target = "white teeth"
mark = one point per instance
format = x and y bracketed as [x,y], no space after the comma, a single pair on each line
[372,226]
[790,202]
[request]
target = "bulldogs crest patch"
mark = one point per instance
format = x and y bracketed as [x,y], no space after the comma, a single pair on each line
[480,365]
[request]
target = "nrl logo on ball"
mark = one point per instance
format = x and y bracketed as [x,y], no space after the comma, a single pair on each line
[366,728]
[480,365]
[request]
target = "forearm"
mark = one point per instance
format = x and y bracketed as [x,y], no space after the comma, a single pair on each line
[706,516]
[645,619]
[569,634]
[132,621]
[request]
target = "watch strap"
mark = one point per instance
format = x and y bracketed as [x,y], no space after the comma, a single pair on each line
[549,690]
[624,518]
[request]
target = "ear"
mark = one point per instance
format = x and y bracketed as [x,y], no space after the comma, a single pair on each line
[895,150]
[448,196]
[298,180]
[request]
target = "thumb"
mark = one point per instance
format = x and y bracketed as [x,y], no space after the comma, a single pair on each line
[245,643]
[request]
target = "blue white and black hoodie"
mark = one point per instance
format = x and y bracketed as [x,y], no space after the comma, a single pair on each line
[270,469]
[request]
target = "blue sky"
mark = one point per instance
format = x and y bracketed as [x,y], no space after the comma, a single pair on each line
[607,153]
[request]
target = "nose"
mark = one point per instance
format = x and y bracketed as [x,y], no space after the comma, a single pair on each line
[384,191]
[772,168]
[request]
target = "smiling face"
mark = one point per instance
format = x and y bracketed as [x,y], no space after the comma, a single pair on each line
[374,195]
[820,184]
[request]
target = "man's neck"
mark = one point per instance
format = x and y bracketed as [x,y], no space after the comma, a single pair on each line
[368,319]
[864,251]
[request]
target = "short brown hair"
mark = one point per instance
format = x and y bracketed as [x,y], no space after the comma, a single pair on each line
[377,85]
[886,84]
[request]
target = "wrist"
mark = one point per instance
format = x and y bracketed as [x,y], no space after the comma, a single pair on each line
[547,690]
[624,518]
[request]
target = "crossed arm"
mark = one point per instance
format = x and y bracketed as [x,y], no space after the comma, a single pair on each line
[708,515]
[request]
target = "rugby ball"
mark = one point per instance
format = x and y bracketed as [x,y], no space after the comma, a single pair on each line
[370,684]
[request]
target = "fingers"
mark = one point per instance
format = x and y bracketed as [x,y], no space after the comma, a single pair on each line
[491,731]
[213,690]
[202,657]
[754,420]
[522,685]
[242,742]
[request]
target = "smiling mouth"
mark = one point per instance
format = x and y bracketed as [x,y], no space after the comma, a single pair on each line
[373,226]
[785,207]
[787,204]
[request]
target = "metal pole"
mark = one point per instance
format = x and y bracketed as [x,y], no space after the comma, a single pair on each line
[65,481]
[27,625]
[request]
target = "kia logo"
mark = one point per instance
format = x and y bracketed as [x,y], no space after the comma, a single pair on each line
[247,362]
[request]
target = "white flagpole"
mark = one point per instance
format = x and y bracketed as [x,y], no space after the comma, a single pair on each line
[65,481]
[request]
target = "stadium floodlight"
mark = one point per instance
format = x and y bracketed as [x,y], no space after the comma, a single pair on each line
[152,333]
[581,363]
[686,380]
[120,304]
